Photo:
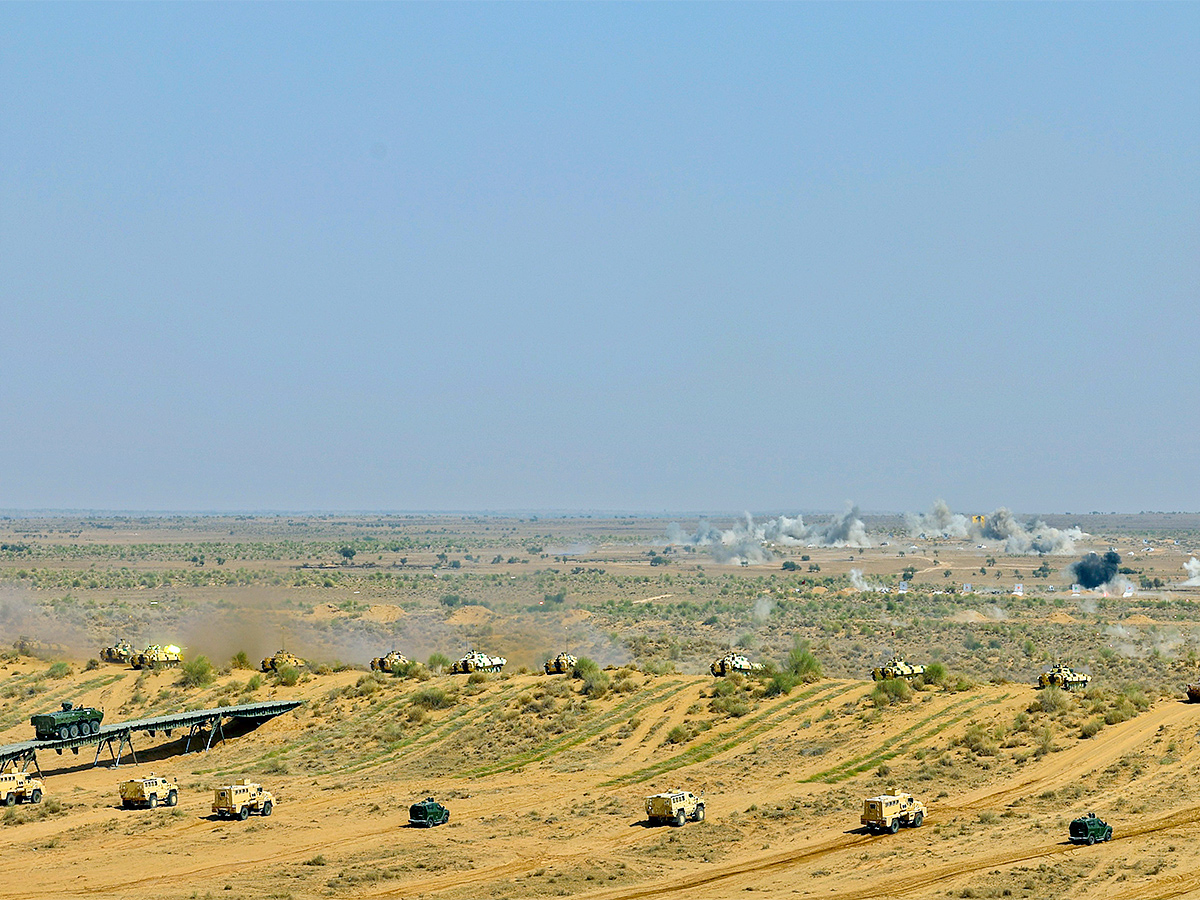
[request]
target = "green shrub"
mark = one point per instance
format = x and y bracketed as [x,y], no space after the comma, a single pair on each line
[432,697]
[437,662]
[254,683]
[196,672]
[92,665]
[1091,727]
[1053,699]
[780,683]
[803,664]
[59,670]
[935,673]
[288,675]
[240,661]
[891,690]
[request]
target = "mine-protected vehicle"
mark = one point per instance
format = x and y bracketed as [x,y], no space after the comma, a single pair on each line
[19,787]
[734,662]
[888,812]
[1064,677]
[69,722]
[149,792]
[674,808]
[392,661]
[478,662]
[561,664]
[238,800]
[427,813]
[120,652]
[157,656]
[1089,829]
[281,660]
[897,668]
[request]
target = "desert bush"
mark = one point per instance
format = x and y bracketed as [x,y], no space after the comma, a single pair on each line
[803,664]
[196,672]
[478,677]
[780,683]
[679,734]
[1051,700]
[241,661]
[1091,727]
[92,665]
[432,697]
[891,690]
[254,683]
[288,675]
[437,662]
[979,740]
[732,705]
[935,673]
[59,670]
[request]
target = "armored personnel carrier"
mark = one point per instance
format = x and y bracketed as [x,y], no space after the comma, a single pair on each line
[121,652]
[392,661]
[149,792]
[69,722]
[1064,677]
[19,787]
[281,660]
[427,813]
[238,800]
[561,664]
[478,662]
[674,808]
[156,656]
[734,662]
[896,668]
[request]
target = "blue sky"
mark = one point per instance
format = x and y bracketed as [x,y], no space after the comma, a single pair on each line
[645,257]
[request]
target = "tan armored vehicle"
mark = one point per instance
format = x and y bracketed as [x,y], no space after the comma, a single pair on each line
[1064,677]
[156,656]
[674,808]
[238,800]
[561,664]
[888,812]
[734,662]
[390,662]
[149,792]
[122,652]
[281,660]
[18,787]
[897,668]
[478,662]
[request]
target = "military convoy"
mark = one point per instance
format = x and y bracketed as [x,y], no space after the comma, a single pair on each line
[734,663]
[148,792]
[1089,829]
[69,722]
[896,668]
[157,656]
[427,813]
[561,664]
[121,652]
[887,812]
[674,808]
[238,800]
[281,660]
[1064,677]
[393,661]
[19,787]
[478,662]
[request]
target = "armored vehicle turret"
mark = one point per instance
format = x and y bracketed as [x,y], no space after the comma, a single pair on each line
[561,664]
[478,662]
[121,652]
[281,660]
[1064,677]
[69,722]
[734,662]
[156,656]
[896,668]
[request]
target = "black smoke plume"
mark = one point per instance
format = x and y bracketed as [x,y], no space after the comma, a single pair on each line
[1094,570]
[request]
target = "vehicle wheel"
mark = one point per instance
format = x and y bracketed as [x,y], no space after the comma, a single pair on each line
[126,804]
[895,826]
[153,801]
[10,799]
[679,819]
[95,728]
[172,798]
[700,813]
[63,733]
[1091,840]
[266,808]
[244,813]
[918,819]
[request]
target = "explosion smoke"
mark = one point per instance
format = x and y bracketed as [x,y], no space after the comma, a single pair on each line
[745,541]
[1192,567]
[940,521]
[1094,570]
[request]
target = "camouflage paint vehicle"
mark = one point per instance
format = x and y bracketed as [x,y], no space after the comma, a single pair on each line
[674,808]
[121,652]
[157,656]
[478,662]
[149,792]
[19,787]
[69,722]
[888,812]
[281,660]
[238,800]
[896,668]
[1089,829]
[734,662]
[1064,677]
[427,813]
[561,664]
[392,661]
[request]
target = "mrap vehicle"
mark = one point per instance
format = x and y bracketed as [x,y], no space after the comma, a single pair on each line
[674,808]
[888,812]
[238,800]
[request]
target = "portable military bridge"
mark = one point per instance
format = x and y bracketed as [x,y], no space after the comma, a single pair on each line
[196,722]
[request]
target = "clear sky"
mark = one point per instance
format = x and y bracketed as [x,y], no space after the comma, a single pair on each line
[642,257]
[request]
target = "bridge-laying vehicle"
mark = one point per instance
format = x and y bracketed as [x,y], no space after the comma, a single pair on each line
[69,722]
[149,792]
[478,662]
[561,664]
[732,663]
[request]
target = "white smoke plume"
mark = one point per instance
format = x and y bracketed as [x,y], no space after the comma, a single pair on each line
[762,607]
[940,521]
[860,583]
[748,542]
[1036,537]
[1192,567]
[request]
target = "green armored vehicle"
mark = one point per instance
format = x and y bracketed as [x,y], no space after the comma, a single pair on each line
[427,813]
[1089,829]
[69,722]
[896,668]
[1064,677]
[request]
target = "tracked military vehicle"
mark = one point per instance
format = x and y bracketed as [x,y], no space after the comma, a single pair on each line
[281,660]
[478,662]
[674,808]
[69,722]
[121,652]
[1064,677]
[149,792]
[392,661]
[734,662]
[897,668]
[157,656]
[561,664]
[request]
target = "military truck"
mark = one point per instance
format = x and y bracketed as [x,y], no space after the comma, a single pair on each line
[561,664]
[69,722]
[427,813]
[896,668]
[734,662]
[1064,677]
[478,662]
[1089,829]
[238,800]
[121,652]
[19,787]
[674,808]
[281,660]
[149,792]
[887,812]
[157,656]
[393,661]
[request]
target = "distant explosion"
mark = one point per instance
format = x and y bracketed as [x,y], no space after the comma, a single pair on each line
[1001,525]
[1094,570]
[940,521]
[746,541]
[1192,567]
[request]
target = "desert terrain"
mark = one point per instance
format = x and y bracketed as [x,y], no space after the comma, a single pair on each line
[545,776]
